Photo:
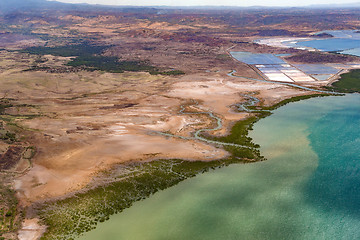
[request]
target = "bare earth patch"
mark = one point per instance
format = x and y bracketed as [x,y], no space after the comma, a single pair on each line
[84,135]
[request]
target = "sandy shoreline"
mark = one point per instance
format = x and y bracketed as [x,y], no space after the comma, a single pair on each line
[67,122]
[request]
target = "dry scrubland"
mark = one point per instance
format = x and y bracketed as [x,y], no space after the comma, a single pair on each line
[64,126]
[87,121]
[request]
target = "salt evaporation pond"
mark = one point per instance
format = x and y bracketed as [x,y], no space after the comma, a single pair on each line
[257,58]
[312,69]
[309,188]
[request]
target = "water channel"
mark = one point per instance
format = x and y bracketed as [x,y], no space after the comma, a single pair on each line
[309,188]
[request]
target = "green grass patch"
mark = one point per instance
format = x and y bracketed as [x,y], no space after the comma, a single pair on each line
[289,100]
[348,82]
[9,212]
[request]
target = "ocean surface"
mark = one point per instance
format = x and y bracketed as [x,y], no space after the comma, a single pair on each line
[343,41]
[332,44]
[309,188]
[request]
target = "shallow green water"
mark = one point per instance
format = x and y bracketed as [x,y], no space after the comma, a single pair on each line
[307,189]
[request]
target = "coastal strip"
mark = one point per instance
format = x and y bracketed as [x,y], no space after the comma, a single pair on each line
[71,217]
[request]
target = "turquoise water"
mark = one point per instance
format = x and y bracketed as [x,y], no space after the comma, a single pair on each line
[332,44]
[307,189]
[344,41]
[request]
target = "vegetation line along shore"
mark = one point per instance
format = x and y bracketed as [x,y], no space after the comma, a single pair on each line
[80,85]
[348,82]
[71,217]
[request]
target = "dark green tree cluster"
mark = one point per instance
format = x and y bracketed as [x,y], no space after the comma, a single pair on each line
[90,57]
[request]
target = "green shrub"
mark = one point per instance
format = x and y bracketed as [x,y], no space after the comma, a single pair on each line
[82,49]
[348,82]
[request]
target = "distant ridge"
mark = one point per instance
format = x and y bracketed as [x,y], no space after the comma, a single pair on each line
[337,5]
[12,5]
[7,6]
[229,7]
[18,5]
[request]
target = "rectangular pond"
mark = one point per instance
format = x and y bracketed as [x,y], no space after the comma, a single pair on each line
[257,58]
[316,69]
